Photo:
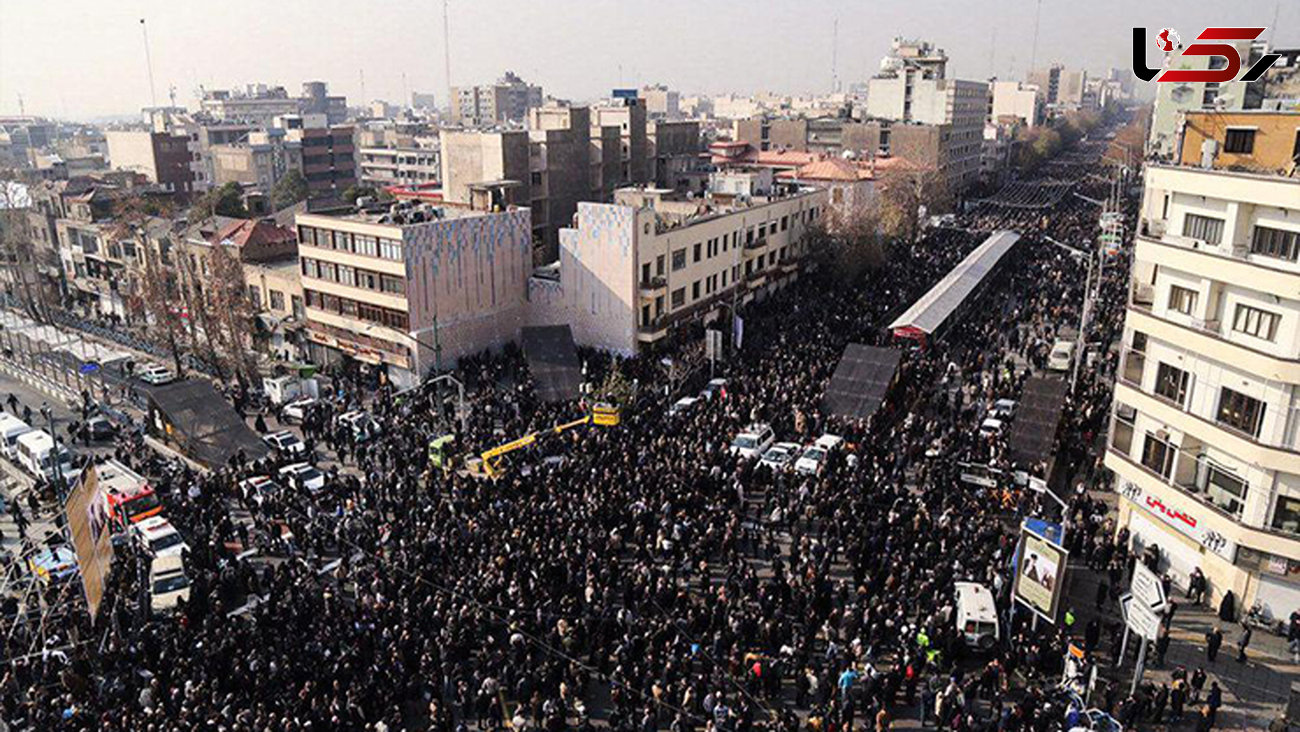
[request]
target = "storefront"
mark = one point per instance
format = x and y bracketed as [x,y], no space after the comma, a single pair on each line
[1182,530]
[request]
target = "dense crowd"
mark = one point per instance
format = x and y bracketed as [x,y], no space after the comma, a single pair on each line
[648,580]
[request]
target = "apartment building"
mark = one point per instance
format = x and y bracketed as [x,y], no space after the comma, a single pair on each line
[1173,100]
[632,272]
[631,150]
[1205,431]
[393,288]
[674,151]
[160,157]
[508,100]
[260,104]
[661,102]
[1253,140]
[328,153]
[958,107]
[1013,99]
[400,166]
[259,161]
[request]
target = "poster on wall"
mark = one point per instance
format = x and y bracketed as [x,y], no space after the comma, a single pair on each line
[1040,575]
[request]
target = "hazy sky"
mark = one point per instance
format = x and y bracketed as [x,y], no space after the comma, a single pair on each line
[84,58]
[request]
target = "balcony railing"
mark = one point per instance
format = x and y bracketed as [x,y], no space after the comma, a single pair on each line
[654,283]
[758,243]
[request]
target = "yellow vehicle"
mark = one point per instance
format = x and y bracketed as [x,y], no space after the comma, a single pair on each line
[492,461]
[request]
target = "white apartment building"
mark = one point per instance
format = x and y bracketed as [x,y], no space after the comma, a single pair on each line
[400,166]
[1205,433]
[633,271]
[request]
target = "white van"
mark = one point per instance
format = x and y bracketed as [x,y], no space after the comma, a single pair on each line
[35,454]
[1062,356]
[282,389]
[977,615]
[11,428]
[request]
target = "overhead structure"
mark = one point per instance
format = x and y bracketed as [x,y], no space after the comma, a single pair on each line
[861,380]
[936,307]
[1033,433]
[193,416]
[553,360]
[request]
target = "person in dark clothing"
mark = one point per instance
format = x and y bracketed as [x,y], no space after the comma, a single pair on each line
[1213,641]
[1102,591]
[1243,642]
[1159,702]
[1197,683]
[1213,701]
[1162,647]
[1177,695]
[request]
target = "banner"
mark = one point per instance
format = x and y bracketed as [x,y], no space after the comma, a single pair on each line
[1040,575]
[89,520]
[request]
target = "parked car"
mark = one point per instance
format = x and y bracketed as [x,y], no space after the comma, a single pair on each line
[814,457]
[154,374]
[157,535]
[1003,409]
[302,476]
[682,406]
[715,388]
[168,584]
[296,410]
[363,426]
[286,444]
[780,456]
[55,563]
[753,441]
[1061,356]
[991,427]
[100,427]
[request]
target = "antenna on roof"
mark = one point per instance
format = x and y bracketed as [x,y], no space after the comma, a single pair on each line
[446,54]
[835,52]
[148,62]
[1033,53]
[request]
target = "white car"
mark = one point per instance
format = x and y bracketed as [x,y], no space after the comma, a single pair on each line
[780,456]
[286,443]
[167,583]
[296,410]
[1003,409]
[152,373]
[159,536]
[1062,356]
[363,426]
[753,442]
[303,476]
[814,456]
[259,487]
[991,427]
[682,406]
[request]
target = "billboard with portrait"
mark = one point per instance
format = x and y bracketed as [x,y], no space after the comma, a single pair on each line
[89,521]
[1040,575]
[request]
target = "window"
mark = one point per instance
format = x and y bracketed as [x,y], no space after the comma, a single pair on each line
[310,268]
[277,299]
[343,241]
[679,297]
[1255,322]
[679,259]
[297,306]
[1275,243]
[1240,412]
[1286,516]
[1206,228]
[695,290]
[785,222]
[390,249]
[695,253]
[347,276]
[1240,141]
[659,266]
[645,315]
[393,285]
[329,271]
[1222,489]
[255,296]
[645,273]
[1182,299]
[367,280]
[1157,455]
[367,245]
[1171,383]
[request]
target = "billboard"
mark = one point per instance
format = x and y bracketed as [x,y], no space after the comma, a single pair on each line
[1040,575]
[89,521]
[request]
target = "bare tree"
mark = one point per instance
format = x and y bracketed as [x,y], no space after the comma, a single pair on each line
[229,303]
[16,247]
[906,192]
[852,243]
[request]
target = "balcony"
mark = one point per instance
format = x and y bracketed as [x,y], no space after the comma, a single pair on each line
[1135,363]
[653,287]
[1142,295]
[756,244]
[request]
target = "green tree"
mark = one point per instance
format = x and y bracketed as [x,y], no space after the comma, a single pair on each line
[290,189]
[228,200]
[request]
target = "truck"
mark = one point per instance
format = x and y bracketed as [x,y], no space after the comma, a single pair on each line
[281,389]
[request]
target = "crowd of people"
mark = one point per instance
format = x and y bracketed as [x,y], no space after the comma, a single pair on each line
[649,579]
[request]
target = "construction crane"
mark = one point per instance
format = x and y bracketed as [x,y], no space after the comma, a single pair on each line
[492,460]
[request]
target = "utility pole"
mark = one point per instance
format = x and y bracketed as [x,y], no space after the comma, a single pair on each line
[446,53]
[835,53]
[148,62]
[1033,53]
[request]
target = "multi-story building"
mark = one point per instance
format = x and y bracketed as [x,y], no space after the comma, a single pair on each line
[260,104]
[1013,99]
[1249,140]
[661,102]
[396,289]
[403,166]
[1060,89]
[160,157]
[674,151]
[628,116]
[328,153]
[1172,100]
[632,272]
[1205,431]
[258,162]
[508,100]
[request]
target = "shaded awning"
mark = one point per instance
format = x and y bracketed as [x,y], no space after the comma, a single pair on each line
[1033,432]
[861,380]
[929,313]
[553,360]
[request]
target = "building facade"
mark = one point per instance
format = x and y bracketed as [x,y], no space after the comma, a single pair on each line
[403,166]
[632,272]
[1205,430]
[1172,100]
[508,100]
[395,291]
[160,157]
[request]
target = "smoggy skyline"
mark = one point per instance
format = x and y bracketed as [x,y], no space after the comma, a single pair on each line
[78,59]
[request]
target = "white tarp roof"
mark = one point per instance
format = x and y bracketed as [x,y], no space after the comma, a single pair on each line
[928,313]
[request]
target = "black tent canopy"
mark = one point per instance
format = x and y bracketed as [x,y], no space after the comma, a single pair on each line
[201,423]
[1033,433]
[861,380]
[553,360]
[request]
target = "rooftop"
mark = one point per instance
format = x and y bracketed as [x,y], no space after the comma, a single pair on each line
[405,213]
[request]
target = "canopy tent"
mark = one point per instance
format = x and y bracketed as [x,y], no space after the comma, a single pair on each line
[201,423]
[935,307]
[861,380]
[553,360]
[1033,433]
